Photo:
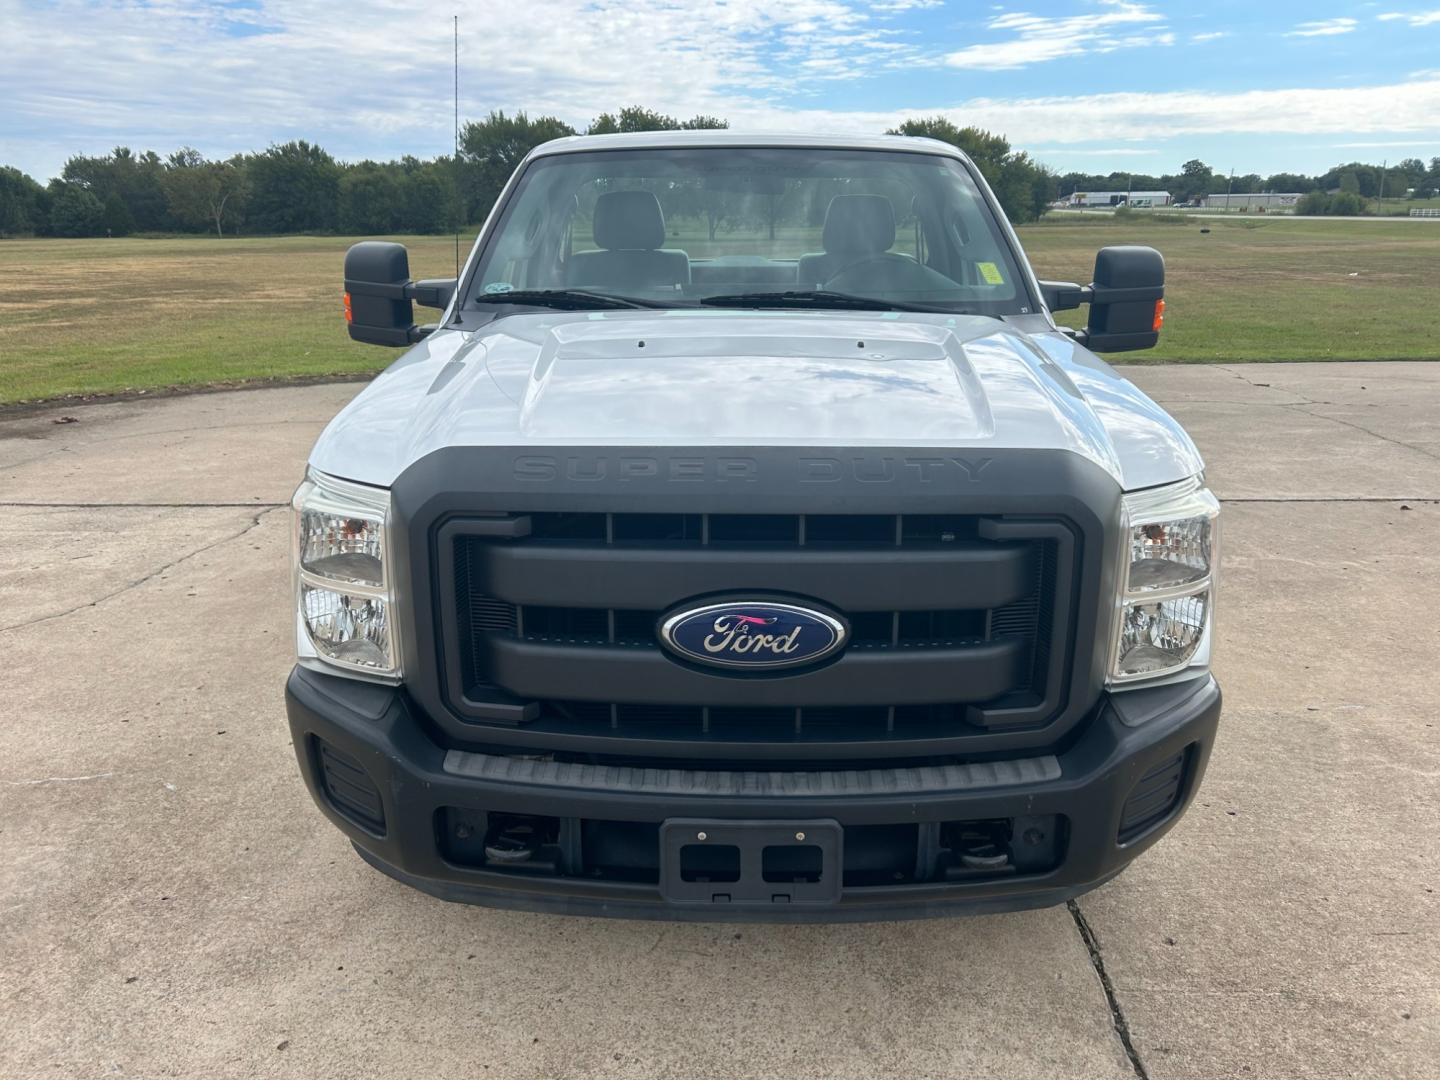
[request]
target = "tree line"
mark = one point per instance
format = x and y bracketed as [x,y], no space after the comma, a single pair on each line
[298,187]
[1343,189]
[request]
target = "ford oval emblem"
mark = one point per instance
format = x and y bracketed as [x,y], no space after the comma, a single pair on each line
[755,635]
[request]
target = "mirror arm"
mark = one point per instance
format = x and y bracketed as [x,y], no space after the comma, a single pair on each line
[431,292]
[1064,295]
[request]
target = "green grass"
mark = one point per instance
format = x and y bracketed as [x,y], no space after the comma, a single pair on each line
[1276,290]
[81,317]
[107,316]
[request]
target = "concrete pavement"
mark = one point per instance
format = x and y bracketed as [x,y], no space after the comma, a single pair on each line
[173,904]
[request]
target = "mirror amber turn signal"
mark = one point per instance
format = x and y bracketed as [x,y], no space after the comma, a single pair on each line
[379,294]
[1126,298]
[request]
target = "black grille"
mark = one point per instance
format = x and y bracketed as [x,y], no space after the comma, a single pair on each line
[507,624]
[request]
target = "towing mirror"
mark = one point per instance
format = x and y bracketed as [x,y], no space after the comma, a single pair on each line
[379,294]
[1127,299]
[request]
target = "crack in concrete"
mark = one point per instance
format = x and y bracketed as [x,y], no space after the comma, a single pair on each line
[1117,1014]
[59,779]
[1300,406]
[1367,431]
[254,524]
[100,440]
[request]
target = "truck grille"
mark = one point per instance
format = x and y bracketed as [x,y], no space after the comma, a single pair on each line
[550,623]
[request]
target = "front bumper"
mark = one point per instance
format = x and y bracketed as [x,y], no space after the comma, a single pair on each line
[408,793]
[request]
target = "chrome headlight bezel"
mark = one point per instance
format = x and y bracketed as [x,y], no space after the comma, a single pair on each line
[1176,527]
[351,582]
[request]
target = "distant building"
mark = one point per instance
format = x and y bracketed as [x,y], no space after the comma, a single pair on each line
[1119,198]
[1264,200]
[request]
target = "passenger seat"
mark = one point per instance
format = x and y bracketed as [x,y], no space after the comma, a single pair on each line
[629,229]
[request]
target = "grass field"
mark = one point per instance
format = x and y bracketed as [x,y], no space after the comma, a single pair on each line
[105,316]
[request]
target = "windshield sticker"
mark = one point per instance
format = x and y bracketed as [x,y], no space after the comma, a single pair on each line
[499,287]
[991,273]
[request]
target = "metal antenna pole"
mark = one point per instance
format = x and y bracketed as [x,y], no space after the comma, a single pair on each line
[459,199]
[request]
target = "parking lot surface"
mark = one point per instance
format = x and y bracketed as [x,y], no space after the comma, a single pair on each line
[173,905]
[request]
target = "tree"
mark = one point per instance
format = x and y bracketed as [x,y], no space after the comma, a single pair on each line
[23,206]
[293,188]
[1195,180]
[1355,177]
[74,211]
[637,118]
[491,149]
[117,220]
[1429,185]
[429,197]
[1346,204]
[1023,187]
[205,194]
[135,180]
[1407,175]
[1340,204]
[372,199]
[1289,182]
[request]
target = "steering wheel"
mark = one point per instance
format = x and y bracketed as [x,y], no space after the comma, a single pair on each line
[899,274]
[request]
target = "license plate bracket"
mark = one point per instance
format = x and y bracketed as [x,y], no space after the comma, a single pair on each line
[751,863]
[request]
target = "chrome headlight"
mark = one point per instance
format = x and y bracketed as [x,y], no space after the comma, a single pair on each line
[344,588]
[1167,585]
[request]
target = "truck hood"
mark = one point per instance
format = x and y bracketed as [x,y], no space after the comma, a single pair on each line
[722,378]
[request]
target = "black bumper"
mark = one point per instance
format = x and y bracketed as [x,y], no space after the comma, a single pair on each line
[397,794]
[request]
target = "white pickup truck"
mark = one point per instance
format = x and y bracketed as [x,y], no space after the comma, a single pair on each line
[746,541]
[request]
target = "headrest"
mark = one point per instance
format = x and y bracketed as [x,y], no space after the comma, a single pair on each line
[859,225]
[629,221]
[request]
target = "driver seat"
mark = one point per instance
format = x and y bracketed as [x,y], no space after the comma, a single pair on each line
[629,231]
[856,227]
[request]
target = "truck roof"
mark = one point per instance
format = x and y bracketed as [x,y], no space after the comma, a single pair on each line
[648,140]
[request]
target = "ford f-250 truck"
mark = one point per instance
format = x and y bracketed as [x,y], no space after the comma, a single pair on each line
[747,541]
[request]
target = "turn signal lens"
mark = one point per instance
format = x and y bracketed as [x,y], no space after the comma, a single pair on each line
[1159,316]
[349,315]
[343,548]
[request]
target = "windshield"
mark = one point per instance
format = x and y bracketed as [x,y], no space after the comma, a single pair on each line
[746,227]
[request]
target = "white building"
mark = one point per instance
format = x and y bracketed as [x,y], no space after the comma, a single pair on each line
[1264,200]
[1119,198]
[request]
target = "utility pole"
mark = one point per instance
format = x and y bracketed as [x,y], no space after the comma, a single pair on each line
[1230,189]
[1380,202]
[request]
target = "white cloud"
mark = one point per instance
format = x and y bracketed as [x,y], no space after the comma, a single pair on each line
[1038,38]
[1414,18]
[1396,108]
[897,6]
[1323,28]
[1108,151]
[1213,35]
[164,73]
[1377,144]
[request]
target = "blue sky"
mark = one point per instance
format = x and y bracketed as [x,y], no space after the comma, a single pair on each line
[1092,85]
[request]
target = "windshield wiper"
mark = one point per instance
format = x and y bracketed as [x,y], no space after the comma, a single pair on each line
[570,299]
[811,298]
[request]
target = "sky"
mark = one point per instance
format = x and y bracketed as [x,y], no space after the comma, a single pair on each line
[1083,85]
